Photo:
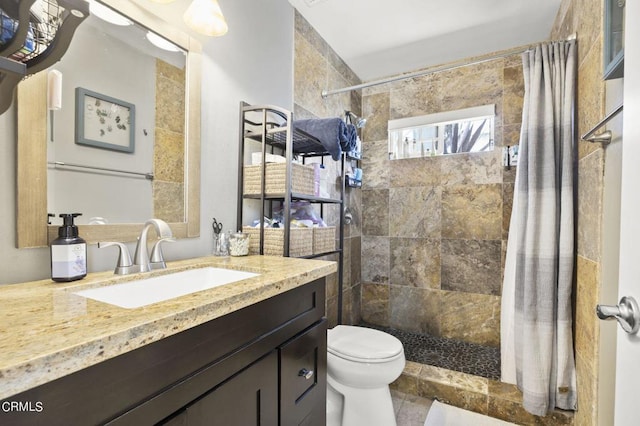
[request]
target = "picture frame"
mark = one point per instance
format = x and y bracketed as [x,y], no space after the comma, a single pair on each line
[104,122]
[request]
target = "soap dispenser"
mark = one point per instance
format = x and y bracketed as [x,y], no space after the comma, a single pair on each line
[68,252]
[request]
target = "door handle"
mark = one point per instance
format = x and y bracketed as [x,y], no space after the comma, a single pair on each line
[626,312]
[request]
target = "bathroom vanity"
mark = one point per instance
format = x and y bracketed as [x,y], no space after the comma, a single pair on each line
[251,352]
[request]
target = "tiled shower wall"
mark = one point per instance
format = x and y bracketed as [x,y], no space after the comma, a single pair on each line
[318,67]
[421,262]
[585,17]
[434,229]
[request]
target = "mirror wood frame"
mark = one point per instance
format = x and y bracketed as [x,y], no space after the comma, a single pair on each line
[32,229]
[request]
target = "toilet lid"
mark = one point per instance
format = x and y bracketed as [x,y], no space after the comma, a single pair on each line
[362,344]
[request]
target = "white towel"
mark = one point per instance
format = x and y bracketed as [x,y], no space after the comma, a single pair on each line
[446,415]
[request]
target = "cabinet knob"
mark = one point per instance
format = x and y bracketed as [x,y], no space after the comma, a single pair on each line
[307,374]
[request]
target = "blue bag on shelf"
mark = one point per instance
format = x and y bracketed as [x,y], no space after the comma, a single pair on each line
[8,26]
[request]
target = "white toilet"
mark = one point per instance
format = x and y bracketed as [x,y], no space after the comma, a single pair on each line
[361,362]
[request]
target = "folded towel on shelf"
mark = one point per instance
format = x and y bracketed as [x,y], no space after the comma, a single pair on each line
[334,134]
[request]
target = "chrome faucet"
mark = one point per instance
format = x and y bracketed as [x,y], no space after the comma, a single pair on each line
[141,257]
[141,261]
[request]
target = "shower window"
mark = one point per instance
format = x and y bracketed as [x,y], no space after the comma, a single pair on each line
[451,132]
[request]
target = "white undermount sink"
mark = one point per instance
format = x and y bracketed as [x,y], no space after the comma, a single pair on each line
[143,292]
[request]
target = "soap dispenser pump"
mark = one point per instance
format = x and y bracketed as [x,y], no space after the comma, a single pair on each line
[68,252]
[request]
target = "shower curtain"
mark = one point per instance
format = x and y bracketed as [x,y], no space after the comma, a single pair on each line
[536,322]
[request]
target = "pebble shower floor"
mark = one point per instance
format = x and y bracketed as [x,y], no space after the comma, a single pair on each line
[470,358]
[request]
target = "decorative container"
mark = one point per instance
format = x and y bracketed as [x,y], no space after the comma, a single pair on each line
[300,241]
[301,179]
[239,244]
[324,239]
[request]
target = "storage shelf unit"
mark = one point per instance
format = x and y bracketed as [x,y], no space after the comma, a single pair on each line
[277,136]
[11,72]
[294,196]
[35,34]
[272,127]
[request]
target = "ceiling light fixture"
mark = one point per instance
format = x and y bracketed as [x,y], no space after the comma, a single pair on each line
[107,14]
[161,42]
[205,17]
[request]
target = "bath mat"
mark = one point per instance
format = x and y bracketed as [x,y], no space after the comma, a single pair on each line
[446,415]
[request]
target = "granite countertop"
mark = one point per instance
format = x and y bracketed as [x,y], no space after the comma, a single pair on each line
[47,332]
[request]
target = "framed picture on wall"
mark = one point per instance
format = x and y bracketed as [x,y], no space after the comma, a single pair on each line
[104,122]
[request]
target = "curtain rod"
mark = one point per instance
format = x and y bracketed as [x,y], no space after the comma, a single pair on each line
[148,176]
[452,66]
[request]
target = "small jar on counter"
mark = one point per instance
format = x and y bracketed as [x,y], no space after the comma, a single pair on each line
[221,243]
[239,244]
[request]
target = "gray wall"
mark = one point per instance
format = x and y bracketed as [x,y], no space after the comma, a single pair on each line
[254,63]
[91,63]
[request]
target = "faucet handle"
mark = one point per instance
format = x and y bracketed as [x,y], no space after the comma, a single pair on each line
[156,260]
[124,265]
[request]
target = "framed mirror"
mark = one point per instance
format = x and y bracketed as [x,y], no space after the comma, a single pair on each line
[167,133]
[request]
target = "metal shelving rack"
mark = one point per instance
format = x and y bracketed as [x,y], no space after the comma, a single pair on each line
[351,182]
[34,35]
[272,127]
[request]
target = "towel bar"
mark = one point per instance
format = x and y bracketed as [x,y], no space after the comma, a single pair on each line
[604,137]
[148,176]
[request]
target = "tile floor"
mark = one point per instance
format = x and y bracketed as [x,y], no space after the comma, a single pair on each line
[470,358]
[411,410]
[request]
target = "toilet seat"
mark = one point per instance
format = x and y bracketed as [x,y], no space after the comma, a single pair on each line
[365,345]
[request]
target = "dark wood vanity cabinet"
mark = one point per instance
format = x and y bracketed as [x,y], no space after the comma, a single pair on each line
[251,396]
[303,378]
[262,365]
[248,398]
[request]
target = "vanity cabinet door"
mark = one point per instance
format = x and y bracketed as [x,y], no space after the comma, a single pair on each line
[178,419]
[248,398]
[303,378]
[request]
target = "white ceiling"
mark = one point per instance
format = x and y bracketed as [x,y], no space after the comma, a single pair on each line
[379,38]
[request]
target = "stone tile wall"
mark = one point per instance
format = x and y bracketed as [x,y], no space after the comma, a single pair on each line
[318,67]
[434,229]
[474,393]
[168,161]
[585,17]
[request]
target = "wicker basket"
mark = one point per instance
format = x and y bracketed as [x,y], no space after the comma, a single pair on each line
[300,241]
[276,173]
[324,239]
